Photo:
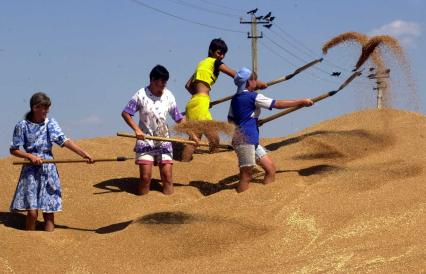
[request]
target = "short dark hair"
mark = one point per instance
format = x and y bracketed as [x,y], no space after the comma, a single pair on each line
[159,72]
[218,44]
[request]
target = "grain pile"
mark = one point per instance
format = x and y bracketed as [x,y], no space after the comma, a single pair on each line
[349,197]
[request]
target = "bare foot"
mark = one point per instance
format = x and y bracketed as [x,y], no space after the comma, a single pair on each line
[143,189]
[49,226]
[49,222]
[242,187]
[168,189]
[269,179]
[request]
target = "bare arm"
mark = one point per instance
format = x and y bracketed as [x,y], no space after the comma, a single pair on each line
[280,104]
[129,120]
[183,120]
[78,150]
[261,85]
[22,154]
[189,85]
[227,70]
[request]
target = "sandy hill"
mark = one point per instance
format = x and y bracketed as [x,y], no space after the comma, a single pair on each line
[350,196]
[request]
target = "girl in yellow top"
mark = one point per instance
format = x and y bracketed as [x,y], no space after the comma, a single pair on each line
[204,77]
[199,85]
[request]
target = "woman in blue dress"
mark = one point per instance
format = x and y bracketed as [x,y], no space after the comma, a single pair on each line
[39,187]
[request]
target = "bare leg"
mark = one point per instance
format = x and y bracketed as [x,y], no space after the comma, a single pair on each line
[214,140]
[245,177]
[188,150]
[166,178]
[145,179]
[268,165]
[49,222]
[30,221]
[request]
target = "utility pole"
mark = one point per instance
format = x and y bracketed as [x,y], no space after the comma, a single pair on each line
[253,35]
[380,84]
[379,90]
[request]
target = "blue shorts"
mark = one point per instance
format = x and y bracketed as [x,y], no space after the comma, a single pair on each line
[249,154]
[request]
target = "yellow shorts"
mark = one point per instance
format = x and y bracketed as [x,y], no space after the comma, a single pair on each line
[197,108]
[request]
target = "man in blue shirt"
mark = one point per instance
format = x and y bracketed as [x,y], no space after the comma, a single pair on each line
[244,112]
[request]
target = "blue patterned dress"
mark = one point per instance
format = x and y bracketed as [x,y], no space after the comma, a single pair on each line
[38,186]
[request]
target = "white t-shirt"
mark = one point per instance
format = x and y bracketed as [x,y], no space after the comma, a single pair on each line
[153,112]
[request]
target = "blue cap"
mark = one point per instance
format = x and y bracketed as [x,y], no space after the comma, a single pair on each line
[241,78]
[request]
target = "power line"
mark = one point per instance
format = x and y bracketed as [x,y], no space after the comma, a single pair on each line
[299,48]
[286,50]
[326,62]
[294,45]
[278,54]
[139,2]
[226,29]
[183,3]
[312,75]
[184,19]
[318,68]
[296,41]
[221,6]
[306,50]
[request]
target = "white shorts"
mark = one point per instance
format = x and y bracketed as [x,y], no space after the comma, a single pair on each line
[149,158]
[249,154]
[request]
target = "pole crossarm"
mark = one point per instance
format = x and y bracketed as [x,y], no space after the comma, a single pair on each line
[316,99]
[276,81]
[255,22]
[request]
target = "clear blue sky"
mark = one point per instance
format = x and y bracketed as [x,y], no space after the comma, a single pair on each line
[90,57]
